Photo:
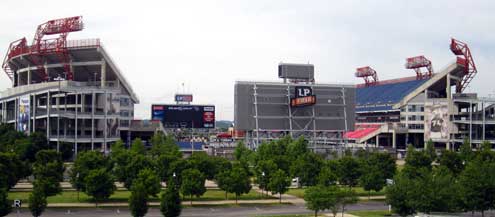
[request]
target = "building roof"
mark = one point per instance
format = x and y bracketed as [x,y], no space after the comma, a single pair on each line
[383,96]
[362,131]
[145,126]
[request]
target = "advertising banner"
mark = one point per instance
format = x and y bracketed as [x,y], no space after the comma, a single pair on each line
[436,121]
[24,114]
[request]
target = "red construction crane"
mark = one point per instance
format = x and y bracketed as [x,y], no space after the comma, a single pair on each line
[40,47]
[368,74]
[461,49]
[55,45]
[417,63]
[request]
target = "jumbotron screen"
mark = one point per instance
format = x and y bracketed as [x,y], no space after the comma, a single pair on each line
[184,116]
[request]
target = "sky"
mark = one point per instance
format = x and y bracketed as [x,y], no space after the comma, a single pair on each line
[208,45]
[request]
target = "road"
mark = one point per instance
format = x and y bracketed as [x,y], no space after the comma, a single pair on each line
[245,210]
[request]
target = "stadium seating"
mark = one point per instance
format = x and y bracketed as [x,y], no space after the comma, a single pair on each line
[381,97]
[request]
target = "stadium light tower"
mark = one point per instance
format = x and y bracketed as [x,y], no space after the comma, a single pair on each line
[464,57]
[368,74]
[41,47]
[417,63]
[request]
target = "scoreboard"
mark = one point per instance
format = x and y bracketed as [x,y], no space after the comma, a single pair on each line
[184,116]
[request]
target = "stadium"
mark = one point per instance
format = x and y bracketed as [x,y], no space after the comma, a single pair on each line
[429,106]
[298,106]
[70,90]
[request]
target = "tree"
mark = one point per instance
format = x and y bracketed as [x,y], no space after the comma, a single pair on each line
[306,167]
[264,169]
[193,183]
[415,160]
[430,150]
[384,162]
[137,163]
[27,148]
[84,163]
[320,198]
[150,181]
[477,183]
[170,205]
[239,182]
[465,151]
[399,195]
[298,148]
[12,169]
[99,184]
[350,171]
[346,197]
[66,151]
[372,179]
[48,170]
[163,144]
[452,161]
[5,206]
[138,201]
[279,183]
[164,165]
[224,181]
[241,152]
[327,176]
[204,163]
[37,201]
[137,146]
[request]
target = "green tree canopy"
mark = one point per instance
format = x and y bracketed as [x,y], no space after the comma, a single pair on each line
[138,201]
[37,201]
[5,205]
[193,183]
[320,198]
[137,146]
[350,171]
[48,171]
[12,169]
[85,162]
[150,180]
[307,167]
[137,163]
[170,204]
[99,184]
[279,183]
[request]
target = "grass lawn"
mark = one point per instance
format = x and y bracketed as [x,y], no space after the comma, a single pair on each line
[299,192]
[370,213]
[123,196]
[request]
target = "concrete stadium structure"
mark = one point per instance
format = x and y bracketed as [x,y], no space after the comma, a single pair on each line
[83,100]
[413,110]
[264,111]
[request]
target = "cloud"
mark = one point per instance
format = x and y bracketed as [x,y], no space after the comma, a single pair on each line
[210,44]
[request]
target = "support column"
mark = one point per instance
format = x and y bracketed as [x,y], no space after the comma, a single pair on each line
[394,138]
[35,105]
[105,130]
[93,107]
[470,123]
[103,77]
[48,108]
[59,94]
[29,75]
[377,140]
[290,111]
[75,127]
[484,121]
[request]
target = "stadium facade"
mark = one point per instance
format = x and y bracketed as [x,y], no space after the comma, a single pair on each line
[413,110]
[70,90]
[322,113]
